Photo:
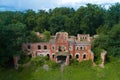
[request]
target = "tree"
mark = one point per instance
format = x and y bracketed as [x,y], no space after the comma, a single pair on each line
[89,18]
[109,42]
[30,19]
[11,39]
[112,16]
[114,47]
[46,36]
[42,21]
[32,37]
[59,19]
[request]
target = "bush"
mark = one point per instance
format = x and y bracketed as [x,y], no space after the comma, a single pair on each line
[38,61]
[53,64]
[85,64]
[97,55]
[24,59]
[74,62]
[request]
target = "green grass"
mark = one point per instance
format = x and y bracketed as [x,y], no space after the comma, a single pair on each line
[110,72]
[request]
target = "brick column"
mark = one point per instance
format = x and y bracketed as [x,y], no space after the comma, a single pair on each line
[67,60]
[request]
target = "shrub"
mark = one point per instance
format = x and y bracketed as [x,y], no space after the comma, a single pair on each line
[74,62]
[38,61]
[82,64]
[97,55]
[53,64]
[85,64]
[24,59]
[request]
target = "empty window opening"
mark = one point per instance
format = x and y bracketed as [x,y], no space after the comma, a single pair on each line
[39,47]
[77,56]
[70,56]
[28,46]
[77,48]
[59,48]
[53,56]
[80,48]
[84,56]
[53,47]
[45,47]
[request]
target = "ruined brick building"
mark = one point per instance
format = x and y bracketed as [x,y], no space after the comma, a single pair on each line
[62,47]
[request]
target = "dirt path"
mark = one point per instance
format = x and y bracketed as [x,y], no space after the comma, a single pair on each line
[62,67]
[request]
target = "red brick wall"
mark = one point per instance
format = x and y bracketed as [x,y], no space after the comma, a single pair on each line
[61,41]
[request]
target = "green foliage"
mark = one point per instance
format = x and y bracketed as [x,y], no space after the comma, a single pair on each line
[53,65]
[109,42]
[18,27]
[24,59]
[90,18]
[113,15]
[74,62]
[97,55]
[103,29]
[83,64]
[110,72]
[114,32]
[29,19]
[32,37]
[102,42]
[38,61]
[46,36]
[11,37]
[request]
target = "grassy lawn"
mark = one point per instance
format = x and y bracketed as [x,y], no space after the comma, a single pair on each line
[110,72]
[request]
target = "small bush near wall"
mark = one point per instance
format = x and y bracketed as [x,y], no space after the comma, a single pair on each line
[74,62]
[85,64]
[38,61]
[24,59]
[53,64]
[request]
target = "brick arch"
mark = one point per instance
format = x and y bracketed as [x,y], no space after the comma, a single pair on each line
[84,56]
[77,55]
[70,56]
[53,55]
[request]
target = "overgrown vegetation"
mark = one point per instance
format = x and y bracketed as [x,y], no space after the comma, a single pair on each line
[20,27]
[109,41]
[80,72]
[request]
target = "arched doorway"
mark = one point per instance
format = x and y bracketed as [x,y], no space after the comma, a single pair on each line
[61,59]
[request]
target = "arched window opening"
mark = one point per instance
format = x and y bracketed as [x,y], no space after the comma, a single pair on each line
[53,56]
[77,56]
[84,56]
[80,48]
[70,56]
[77,48]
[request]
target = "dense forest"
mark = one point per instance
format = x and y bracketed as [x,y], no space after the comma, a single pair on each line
[18,27]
